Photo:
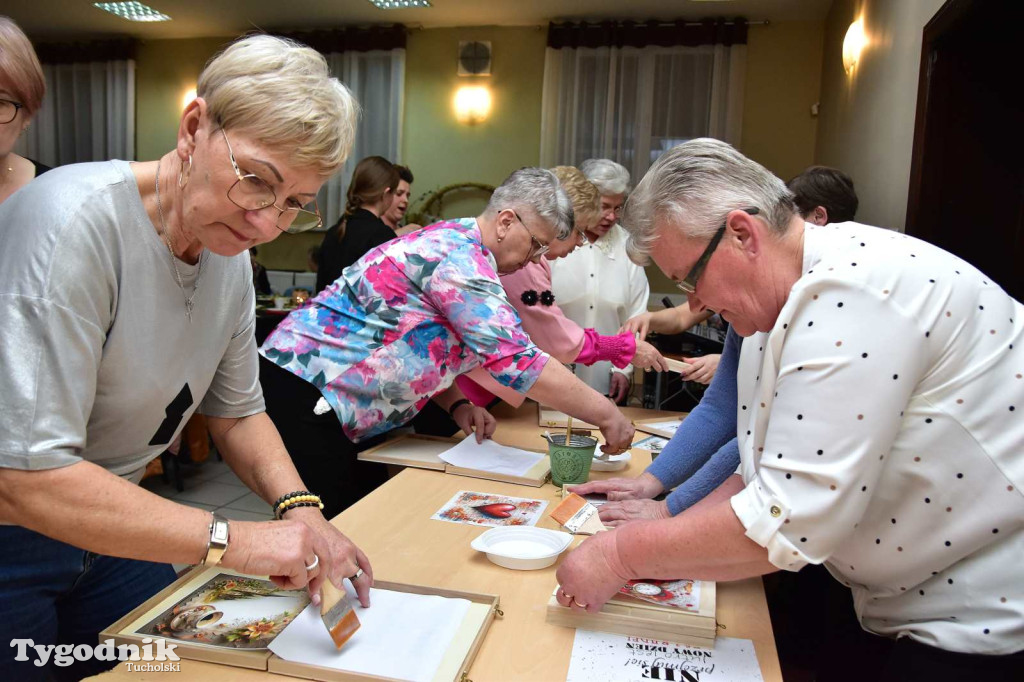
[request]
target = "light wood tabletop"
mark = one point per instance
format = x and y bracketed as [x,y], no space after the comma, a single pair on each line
[393,526]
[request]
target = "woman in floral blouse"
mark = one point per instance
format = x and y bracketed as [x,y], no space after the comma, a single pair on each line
[529,290]
[401,323]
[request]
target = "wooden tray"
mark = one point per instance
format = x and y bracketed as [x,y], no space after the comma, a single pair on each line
[454,666]
[549,417]
[648,426]
[624,615]
[123,631]
[423,452]
[457,659]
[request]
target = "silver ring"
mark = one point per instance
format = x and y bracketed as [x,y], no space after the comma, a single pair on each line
[316,562]
[359,572]
[582,606]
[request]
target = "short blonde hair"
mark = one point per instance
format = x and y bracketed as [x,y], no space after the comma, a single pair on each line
[20,72]
[585,197]
[282,92]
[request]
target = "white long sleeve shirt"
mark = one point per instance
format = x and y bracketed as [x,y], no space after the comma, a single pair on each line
[881,431]
[598,287]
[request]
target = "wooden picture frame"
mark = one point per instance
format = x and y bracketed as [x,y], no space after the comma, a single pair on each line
[124,630]
[454,666]
[624,615]
[652,426]
[423,452]
[457,660]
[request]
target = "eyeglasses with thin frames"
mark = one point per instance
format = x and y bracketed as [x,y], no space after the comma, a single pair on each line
[9,110]
[689,283]
[537,248]
[252,193]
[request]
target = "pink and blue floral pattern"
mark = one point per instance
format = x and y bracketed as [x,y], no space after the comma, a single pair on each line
[401,323]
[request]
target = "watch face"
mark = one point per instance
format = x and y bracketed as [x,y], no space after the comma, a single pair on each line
[219,534]
[647,589]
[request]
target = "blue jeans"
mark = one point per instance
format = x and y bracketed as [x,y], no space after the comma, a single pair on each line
[53,593]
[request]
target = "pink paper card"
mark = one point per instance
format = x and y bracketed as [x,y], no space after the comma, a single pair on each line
[485,509]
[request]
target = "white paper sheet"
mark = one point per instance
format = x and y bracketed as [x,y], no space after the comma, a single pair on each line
[652,443]
[402,636]
[490,456]
[670,426]
[618,658]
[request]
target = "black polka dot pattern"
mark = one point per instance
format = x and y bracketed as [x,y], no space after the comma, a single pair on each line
[942,505]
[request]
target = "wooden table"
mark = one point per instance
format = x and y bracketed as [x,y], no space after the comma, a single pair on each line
[393,527]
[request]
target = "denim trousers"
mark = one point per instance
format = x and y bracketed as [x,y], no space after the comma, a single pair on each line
[54,593]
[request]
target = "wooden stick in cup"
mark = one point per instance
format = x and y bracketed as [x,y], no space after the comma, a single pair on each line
[568,429]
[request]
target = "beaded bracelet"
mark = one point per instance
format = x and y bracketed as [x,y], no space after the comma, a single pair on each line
[299,498]
[285,497]
[297,505]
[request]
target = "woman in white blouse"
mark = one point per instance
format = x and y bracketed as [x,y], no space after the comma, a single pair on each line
[597,286]
[880,425]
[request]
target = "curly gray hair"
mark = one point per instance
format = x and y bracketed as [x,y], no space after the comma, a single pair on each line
[609,177]
[693,186]
[537,191]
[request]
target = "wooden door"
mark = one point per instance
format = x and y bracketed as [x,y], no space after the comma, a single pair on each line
[967,174]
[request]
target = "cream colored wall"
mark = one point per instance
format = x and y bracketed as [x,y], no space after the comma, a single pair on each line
[866,126]
[164,71]
[441,151]
[783,82]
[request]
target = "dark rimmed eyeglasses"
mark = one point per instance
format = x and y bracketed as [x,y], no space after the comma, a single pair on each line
[689,283]
[9,110]
[252,193]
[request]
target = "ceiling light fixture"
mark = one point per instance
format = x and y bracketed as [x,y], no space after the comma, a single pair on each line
[132,11]
[399,4]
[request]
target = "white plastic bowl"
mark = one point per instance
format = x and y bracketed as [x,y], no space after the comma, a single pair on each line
[523,548]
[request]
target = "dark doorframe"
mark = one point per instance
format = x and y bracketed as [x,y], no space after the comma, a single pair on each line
[967,171]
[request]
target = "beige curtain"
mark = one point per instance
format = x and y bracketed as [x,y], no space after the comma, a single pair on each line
[630,104]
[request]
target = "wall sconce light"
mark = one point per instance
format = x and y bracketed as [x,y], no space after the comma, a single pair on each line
[853,44]
[472,104]
[189,96]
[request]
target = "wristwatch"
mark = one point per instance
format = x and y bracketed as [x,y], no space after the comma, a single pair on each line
[219,532]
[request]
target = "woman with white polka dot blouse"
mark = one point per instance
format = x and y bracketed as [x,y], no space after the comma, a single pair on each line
[880,422]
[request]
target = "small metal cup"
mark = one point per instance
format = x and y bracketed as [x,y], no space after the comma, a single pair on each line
[570,464]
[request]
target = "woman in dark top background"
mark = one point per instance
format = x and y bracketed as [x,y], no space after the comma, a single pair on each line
[260,279]
[21,94]
[369,196]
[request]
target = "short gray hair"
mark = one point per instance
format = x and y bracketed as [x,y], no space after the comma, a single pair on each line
[282,92]
[610,178]
[538,191]
[693,186]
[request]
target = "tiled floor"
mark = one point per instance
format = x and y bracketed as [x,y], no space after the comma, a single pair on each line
[212,486]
